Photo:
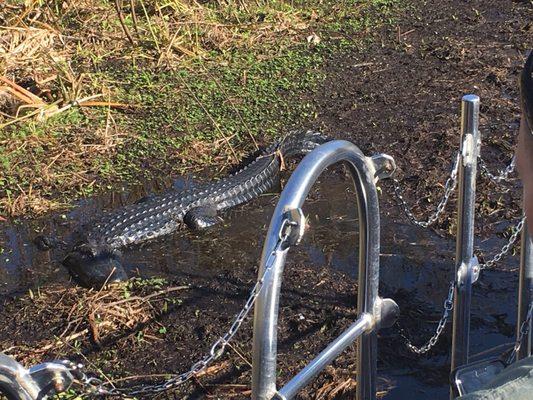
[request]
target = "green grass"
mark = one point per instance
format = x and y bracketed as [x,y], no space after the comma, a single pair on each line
[205,111]
[246,98]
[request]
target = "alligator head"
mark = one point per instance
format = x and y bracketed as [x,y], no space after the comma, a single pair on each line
[93,265]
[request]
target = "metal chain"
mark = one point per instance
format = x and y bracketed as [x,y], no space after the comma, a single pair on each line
[97,387]
[448,306]
[505,249]
[524,330]
[502,175]
[449,187]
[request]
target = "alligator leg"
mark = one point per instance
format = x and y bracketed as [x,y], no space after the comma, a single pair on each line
[45,243]
[201,217]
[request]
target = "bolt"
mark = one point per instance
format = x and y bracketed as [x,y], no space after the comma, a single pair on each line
[59,384]
[387,166]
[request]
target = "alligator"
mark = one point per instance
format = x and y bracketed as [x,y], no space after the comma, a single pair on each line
[95,258]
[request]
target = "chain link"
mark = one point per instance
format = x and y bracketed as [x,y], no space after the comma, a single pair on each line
[524,330]
[97,387]
[447,307]
[449,187]
[502,175]
[505,249]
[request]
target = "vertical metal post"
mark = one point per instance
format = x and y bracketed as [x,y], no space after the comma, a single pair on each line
[525,293]
[465,268]
[368,280]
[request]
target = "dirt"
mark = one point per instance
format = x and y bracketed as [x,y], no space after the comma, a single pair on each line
[400,96]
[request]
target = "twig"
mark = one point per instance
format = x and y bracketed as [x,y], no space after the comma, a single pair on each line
[240,355]
[74,103]
[21,93]
[150,27]
[93,365]
[32,114]
[118,7]
[148,297]
[104,104]
[134,16]
[64,340]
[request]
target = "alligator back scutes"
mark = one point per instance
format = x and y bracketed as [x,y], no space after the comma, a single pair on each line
[163,214]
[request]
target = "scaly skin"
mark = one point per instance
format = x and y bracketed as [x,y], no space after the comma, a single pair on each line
[96,259]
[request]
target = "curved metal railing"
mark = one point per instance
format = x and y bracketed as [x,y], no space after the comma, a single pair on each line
[374,312]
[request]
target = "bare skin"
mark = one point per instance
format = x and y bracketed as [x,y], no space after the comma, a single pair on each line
[524,148]
[524,162]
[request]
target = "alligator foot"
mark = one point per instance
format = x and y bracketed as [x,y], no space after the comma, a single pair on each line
[45,243]
[201,217]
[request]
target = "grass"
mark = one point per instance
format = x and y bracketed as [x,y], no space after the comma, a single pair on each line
[83,317]
[181,86]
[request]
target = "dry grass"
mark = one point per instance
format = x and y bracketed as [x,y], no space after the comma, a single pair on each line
[76,318]
[92,91]
[50,55]
[47,46]
[67,161]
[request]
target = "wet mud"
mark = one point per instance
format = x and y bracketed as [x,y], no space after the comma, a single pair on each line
[402,99]
[319,291]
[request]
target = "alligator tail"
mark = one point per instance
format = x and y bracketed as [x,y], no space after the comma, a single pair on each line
[301,142]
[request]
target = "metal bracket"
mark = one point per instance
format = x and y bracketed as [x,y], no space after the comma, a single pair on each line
[474,265]
[38,382]
[296,226]
[464,270]
[384,165]
[468,148]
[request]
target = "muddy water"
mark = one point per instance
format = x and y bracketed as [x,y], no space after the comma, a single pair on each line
[416,268]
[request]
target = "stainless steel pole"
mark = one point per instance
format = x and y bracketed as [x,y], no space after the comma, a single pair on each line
[358,328]
[464,267]
[525,293]
[364,172]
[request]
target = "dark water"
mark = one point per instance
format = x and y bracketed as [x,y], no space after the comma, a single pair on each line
[416,268]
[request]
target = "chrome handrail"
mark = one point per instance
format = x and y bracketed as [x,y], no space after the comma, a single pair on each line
[466,265]
[374,312]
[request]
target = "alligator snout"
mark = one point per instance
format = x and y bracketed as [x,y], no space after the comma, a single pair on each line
[94,266]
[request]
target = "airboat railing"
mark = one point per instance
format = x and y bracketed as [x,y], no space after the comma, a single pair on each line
[374,312]
[467,265]
[524,325]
